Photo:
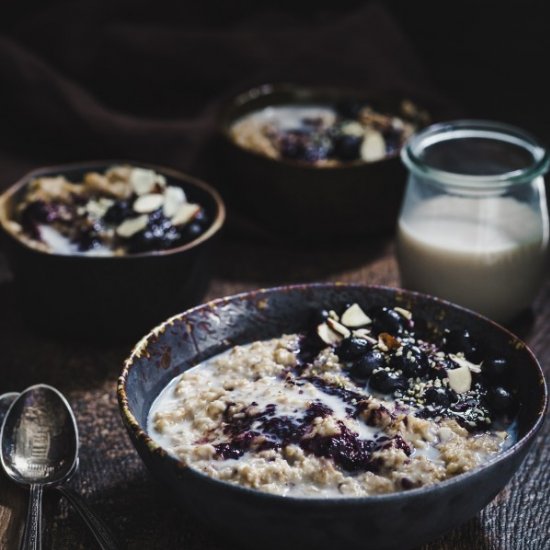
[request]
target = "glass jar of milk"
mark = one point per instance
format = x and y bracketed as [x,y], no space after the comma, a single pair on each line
[473,227]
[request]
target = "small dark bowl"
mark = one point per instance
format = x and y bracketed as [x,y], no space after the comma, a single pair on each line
[259,520]
[109,298]
[305,202]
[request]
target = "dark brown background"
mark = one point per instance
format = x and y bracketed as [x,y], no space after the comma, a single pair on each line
[96,78]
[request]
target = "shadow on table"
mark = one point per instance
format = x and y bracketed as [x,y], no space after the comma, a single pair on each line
[29,357]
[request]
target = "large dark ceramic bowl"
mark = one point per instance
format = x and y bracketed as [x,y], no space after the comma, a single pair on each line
[258,520]
[108,298]
[306,202]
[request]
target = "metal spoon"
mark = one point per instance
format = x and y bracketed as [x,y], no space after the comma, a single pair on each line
[39,447]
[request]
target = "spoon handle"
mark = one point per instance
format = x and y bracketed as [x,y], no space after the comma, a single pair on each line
[100,531]
[32,537]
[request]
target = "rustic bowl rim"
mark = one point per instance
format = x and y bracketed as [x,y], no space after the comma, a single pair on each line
[59,169]
[226,118]
[154,448]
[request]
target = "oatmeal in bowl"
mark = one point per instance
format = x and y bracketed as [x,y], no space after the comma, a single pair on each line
[358,405]
[318,415]
[117,211]
[103,250]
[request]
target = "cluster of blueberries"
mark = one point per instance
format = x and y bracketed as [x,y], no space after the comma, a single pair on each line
[492,394]
[312,142]
[88,234]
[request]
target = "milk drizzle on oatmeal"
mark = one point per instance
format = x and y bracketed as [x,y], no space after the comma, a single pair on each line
[290,416]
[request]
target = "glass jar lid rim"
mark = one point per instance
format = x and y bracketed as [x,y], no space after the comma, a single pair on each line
[485,129]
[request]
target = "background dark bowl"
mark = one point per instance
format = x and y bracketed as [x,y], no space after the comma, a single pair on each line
[258,520]
[110,298]
[304,202]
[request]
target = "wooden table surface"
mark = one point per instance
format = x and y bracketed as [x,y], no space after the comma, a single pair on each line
[112,477]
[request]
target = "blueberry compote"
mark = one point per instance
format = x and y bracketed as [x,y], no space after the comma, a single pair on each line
[124,210]
[356,404]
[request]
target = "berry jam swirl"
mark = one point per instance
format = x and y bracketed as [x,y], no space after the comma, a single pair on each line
[360,403]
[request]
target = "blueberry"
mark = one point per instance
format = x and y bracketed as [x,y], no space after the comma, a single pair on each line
[437,396]
[496,368]
[352,348]
[500,399]
[393,139]
[201,217]
[387,320]
[118,212]
[366,365]
[318,316]
[387,382]
[87,240]
[318,148]
[193,230]
[292,145]
[413,362]
[347,147]
[457,341]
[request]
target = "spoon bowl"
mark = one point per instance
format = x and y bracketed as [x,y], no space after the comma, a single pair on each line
[39,447]
[39,437]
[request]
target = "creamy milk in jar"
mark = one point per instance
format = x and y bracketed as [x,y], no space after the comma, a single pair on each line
[474,224]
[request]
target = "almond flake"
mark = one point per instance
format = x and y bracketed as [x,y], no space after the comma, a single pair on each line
[365,334]
[148,203]
[327,335]
[355,317]
[337,327]
[186,212]
[333,315]
[373,147]
[132,226]
[460,380]
[403,312]
[463,362]
[174,197]
[353,129]
[142,181]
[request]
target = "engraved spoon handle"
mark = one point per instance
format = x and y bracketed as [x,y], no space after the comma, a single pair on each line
[32,538]
[100,531]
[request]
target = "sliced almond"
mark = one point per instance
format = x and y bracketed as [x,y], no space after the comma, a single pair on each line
[339,328]
[463,362]
[327,335]
[186,212]
[333,315]
[355,317]
[174,197]
[148,203]
[142,180]
[132,226]
[460,380]
[365,334]
[373,147]
[353,129]
[403,312]
[99,208]
[97,183]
